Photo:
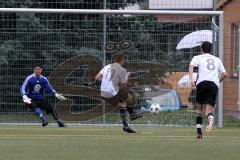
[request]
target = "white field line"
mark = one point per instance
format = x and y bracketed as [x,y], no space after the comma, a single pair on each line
[124,138]
[146,129]
[129,136]
[93,125]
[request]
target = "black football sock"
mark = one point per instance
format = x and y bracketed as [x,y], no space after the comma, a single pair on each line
[131,107]
[56,117]
[123,114]
[130,110]
[210,114]
[199,124]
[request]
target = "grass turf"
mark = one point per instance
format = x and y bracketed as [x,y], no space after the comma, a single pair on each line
[181,117]
[110,143]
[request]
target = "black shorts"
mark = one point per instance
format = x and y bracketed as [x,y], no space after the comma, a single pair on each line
[120,97]
[207,93]
[43,104]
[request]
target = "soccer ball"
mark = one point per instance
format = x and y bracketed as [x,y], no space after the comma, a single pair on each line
[155,108]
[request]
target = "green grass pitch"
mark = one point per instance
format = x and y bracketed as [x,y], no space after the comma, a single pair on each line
[110,143]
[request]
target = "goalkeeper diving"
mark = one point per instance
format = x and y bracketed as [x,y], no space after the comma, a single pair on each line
[32,92]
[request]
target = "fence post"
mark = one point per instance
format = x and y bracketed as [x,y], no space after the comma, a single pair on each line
[104,52]
[221,56]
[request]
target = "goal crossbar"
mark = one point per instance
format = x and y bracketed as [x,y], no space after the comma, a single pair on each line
[105,11]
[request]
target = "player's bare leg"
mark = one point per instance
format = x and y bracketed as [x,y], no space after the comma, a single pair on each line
[130,108]
[123,114]
[209,113]
[199,116]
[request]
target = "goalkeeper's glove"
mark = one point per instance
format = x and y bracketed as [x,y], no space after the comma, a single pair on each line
[26,99]
[60,97]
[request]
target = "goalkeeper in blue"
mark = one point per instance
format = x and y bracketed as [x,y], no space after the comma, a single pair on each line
[32,92]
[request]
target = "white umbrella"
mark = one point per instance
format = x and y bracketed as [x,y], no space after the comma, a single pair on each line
[184,82]
[195,39]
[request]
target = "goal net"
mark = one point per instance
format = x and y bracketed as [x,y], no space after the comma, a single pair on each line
[72,45]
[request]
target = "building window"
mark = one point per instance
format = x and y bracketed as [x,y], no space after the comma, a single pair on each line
[235,49]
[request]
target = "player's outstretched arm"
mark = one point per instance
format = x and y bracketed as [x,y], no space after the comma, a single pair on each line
[60,97]
[23,89]
[223,72]
[223,76]
[50,90]
[193,85]
[26,99]
[194,63]
[98,77]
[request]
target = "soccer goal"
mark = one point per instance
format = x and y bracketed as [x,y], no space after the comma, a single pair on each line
[72,45]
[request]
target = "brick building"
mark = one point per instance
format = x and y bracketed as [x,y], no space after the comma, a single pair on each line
[231,10]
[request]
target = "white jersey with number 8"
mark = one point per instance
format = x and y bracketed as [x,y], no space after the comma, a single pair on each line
[113,75]
[209,68]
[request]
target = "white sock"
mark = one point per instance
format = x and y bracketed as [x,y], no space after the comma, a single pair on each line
[210,120]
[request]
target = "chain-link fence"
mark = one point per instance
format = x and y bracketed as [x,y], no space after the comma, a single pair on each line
[73,47]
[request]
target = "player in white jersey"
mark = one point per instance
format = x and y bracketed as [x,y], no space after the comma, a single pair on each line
[114,90]
[211,73]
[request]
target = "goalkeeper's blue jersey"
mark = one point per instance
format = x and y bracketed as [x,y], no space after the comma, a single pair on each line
[34,87]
